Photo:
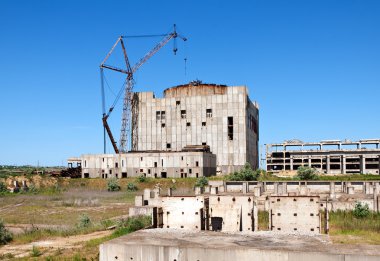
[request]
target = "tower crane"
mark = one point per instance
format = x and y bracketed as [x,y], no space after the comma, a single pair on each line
[128,88]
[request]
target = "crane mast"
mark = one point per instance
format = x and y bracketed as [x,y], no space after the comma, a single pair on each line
[130,100]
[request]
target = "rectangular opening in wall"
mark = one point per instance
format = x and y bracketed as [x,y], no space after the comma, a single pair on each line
[141,158]
[85,163]
[141,170]
[86,175]
[190,171]
[148,171]
[162,115]
[158,115]
[230,128]
[168,145]
[155,164]
[163,175]
[204,143]
[208,113]
[124,174]
[116,165]
[178,103]
[203,123]
[163,125]
[110,171]
[183,114]
[197,163]
[188,124]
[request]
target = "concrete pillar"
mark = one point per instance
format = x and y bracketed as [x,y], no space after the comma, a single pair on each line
[207,189]
[332,189]
[257,191]
[214,191]
[244,187]
[328,164]
[138,201]
[170,192]
[198,191]
[343,164]
[275,185]
[284,188]
[379,164]
[350,190]
[362,164]
[291,163]
[368,188]
[309,161]
[157,192]
[376,197]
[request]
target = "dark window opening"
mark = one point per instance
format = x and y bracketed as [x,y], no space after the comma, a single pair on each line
[141,158]
[163,174]
[181,157]
[168,145]
[311,214]
[216,223]
[190,171]
[148,171]
[197,163]
[278,200]
[85,163]
[295,214]
[86,175]
[196,175]
[188,124]
[230,128]
[116,165]
[141,170]
[204,143]
[155,164]
[183,114]
[158,115]
[110,171]
[163,125]
[124,174]
[278,214]
[177,103]
[208,113]
[163,115]
[203,123]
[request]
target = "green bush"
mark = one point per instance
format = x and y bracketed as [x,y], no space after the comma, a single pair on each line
[306,173]
[141,179]
[245,174]
[361,210]
[84,221]
[132,224]
[131,187]
[201,182]
[5,235]
[3,188]
[113,184]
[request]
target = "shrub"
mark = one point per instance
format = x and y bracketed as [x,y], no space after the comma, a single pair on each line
[113,185]
[306,173]
[132,224]
[245,174]
[84,221]
[5,235]
[35,252]
[141,178]
[131,187]
[361,210]
[3,188]
[201,182]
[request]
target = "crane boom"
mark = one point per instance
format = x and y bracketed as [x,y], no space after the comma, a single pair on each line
[129,83]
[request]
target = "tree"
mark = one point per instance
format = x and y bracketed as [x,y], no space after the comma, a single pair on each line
[245,174]
[3,188]
[307,173]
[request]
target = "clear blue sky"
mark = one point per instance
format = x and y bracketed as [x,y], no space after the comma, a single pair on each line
[313,66]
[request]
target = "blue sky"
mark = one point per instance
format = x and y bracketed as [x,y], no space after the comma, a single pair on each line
[313,66]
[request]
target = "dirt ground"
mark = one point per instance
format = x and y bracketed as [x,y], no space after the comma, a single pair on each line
[50,246]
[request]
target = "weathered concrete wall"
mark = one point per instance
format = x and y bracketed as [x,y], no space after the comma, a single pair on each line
[237,212]
[150,164]
[290,214]
[201,117]
[112,251]
[183,212]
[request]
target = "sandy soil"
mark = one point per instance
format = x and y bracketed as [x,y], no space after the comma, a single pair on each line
[72,242]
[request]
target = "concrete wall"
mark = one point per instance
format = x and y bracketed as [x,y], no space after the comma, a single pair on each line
[113,251]
[183,212]
[294,214]
[149,164]
[237,212]
[201,117]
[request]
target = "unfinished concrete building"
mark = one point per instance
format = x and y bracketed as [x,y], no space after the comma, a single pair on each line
[221,117]
[330,156]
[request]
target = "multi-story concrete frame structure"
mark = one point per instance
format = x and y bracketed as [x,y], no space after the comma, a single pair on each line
[200,114]
[331,156]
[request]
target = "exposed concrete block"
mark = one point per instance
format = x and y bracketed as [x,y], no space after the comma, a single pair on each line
[139,201]
[214,191]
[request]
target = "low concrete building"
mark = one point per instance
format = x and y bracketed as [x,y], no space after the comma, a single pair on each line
[330,156]
[150,164]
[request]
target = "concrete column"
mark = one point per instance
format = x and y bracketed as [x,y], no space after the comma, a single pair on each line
[343,164]
[362,164]
[328,164]
[214,191]
[275,185]
[332,189]
[309,161]
[170,192]
[284,188]
[379,164]
[375,197]
[291,162]
[257,191]
[244,187]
